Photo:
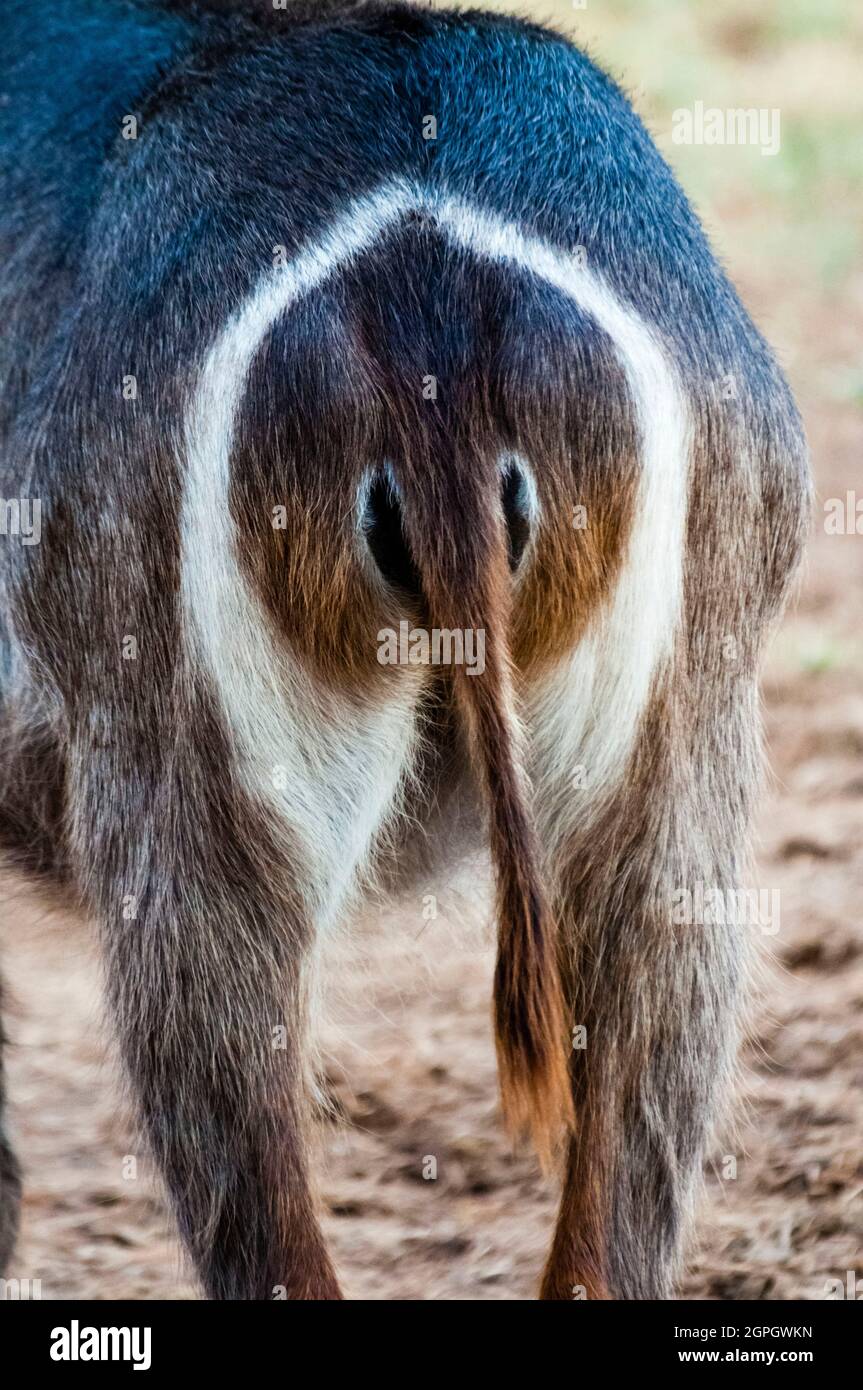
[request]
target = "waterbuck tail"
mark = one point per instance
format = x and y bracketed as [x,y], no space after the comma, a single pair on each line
[455,529]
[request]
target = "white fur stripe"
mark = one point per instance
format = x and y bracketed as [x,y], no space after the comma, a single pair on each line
[342,768]
[329,771]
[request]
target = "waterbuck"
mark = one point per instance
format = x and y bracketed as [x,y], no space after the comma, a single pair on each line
[319,320]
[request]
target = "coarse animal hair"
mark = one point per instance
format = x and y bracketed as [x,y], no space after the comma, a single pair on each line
[287,373]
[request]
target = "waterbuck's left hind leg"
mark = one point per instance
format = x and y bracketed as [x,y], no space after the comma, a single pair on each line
[209,906]
[206,944]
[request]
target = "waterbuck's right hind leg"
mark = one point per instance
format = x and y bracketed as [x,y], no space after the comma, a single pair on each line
[658,988]
[654,1011]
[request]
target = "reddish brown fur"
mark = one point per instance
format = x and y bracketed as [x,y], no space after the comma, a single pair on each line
[300,448]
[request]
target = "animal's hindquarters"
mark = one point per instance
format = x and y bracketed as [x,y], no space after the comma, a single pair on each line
[308,292]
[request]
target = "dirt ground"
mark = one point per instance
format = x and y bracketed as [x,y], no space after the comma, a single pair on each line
[411,1063]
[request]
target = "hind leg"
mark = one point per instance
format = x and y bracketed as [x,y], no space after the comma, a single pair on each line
[644,757]
[654,1000]
[210,901]
[205,958]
